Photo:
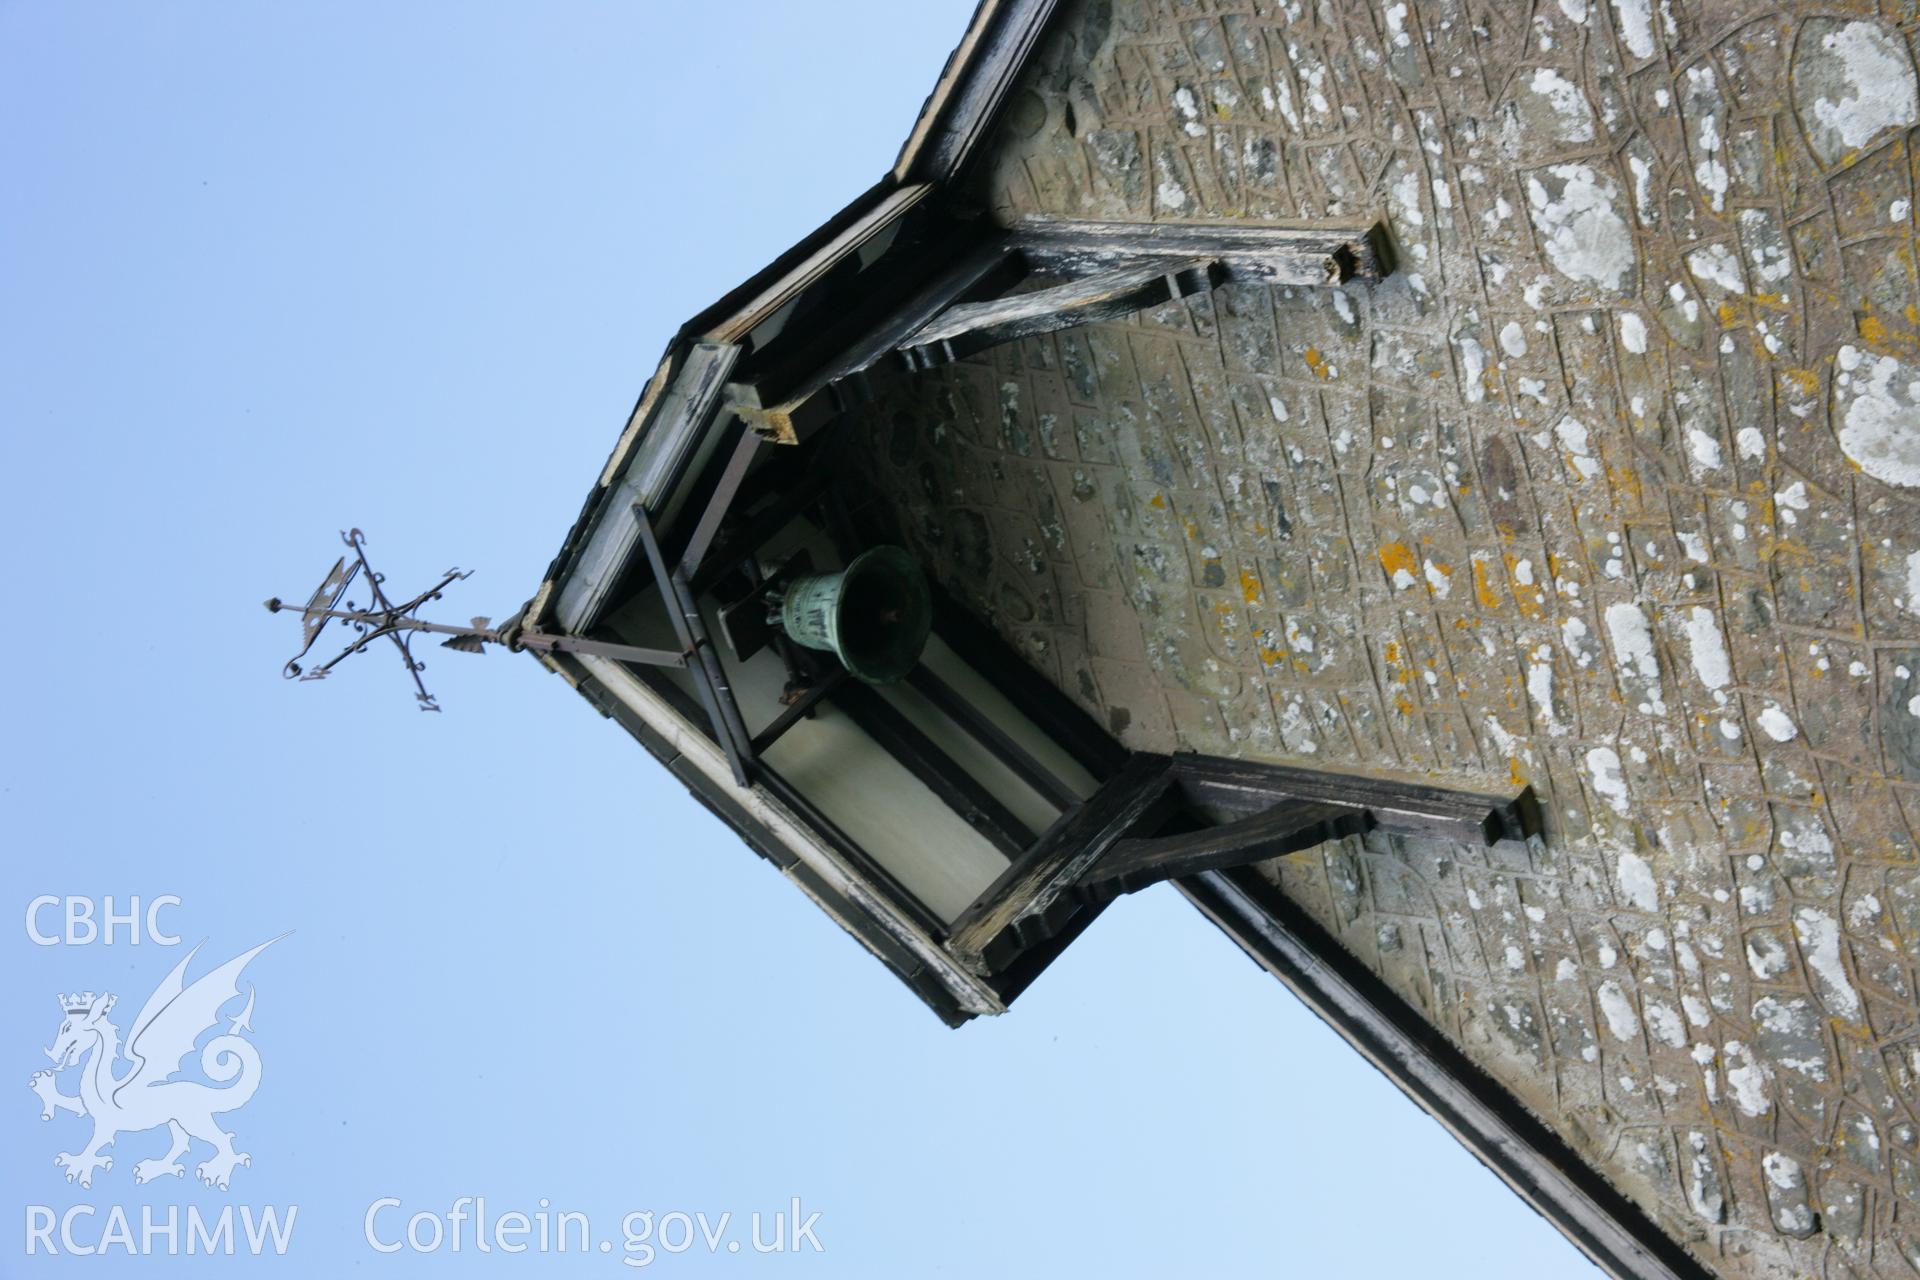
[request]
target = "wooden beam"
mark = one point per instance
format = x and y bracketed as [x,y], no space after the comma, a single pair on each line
[971,327]
[1295,252]
[1403,808]
[744,324]
[960,112]
[1132,865]
[679,419]
[1033,899]
[843,382]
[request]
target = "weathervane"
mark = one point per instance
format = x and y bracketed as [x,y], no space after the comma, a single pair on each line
[383,618]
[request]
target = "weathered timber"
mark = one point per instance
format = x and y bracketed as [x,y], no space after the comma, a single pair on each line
[1212,783]
[849,379]
[1033,899]
[754,318]
[972,88]
[1268,252]
[678,420]
[1288,827]
[972,327]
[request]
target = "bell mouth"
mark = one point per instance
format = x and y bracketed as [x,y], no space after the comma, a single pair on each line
[885,615]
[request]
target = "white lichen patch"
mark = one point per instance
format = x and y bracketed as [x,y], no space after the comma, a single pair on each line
[1635,19]
[1633,332]
[1575,439]
[1767,956]
[1705,106]
[1705,450]
[1617,1007]
[1787,1194]
[1636,882]
[1603,767]
[1716,265]
[1878,401]
[1564,104]
[1854,81]
[1819,935]
[1708,648]
[1665,1024]
[1576,211]
[1776,723]
[1633,655]
[1540,688]
[1748,1079]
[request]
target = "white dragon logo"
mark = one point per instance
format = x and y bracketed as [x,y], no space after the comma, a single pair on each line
[147,1097]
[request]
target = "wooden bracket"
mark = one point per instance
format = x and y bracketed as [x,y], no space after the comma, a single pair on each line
[1309,253]
[1095,271]
[971,327]
[1288,827]
[1224,814]
[1032,900]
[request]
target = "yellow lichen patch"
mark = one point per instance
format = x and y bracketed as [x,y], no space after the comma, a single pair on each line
[1318,363]
[1193,530]
[1805,379]
[1516,774]
[1249,587]
[1528,595]
[1627,481]
[1398,673]
[1402,566]
[1158,502]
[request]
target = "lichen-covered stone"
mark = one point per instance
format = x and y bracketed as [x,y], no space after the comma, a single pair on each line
[1613,491]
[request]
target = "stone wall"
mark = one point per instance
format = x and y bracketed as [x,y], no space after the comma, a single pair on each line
[1611,491]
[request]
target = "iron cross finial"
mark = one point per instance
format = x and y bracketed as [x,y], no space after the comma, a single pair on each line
[381,617]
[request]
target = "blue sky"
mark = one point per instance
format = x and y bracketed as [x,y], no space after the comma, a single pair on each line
[271,270]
